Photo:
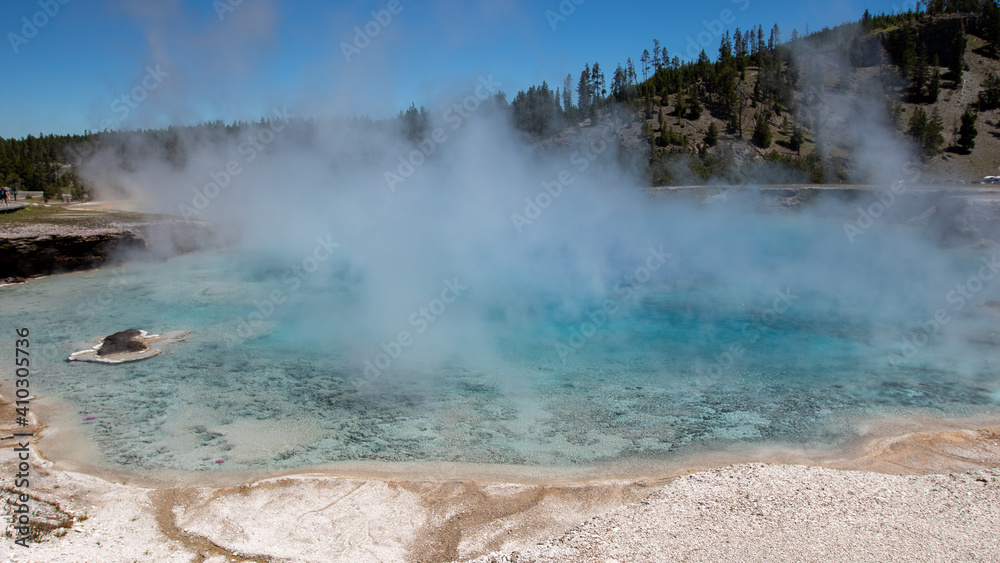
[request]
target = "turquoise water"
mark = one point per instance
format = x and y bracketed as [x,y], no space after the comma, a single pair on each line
[782,337]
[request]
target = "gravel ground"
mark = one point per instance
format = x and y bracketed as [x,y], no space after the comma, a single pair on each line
[760,512]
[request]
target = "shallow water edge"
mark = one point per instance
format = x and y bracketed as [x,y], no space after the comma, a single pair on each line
[68,448]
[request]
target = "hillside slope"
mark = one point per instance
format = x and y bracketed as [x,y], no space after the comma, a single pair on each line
[826,108]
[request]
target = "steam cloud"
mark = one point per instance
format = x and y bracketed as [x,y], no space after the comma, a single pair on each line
[531,234]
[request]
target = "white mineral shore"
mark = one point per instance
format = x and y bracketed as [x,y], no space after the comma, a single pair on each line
[928,496]
[759,512]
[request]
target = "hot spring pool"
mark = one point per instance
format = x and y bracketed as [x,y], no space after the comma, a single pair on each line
[681,344]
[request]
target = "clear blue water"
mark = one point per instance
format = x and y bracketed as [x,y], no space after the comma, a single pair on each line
[704,355]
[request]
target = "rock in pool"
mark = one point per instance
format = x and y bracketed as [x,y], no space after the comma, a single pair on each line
[128,346]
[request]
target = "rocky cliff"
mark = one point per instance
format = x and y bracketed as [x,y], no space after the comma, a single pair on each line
[41,249]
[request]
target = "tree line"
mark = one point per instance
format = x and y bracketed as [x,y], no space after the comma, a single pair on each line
[753,88]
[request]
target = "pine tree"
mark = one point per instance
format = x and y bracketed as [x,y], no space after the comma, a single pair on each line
[917,126]
[712,137]
[989,97]
[619,85]
[728,97]
[725,48]
[695,102]
[567,94]
[967,132]
[991,24]
[957,68]
[741,108]
[907,58]
[740,48]
[934,86]
[761,46]
[597,87]
[762,135]
[933,137]
[704,63]
[583,94]
[796,140]
[918,78]
[415,121]
[926,131]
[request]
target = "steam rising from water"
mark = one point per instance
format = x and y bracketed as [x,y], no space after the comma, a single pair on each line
[358,229]
[474,248]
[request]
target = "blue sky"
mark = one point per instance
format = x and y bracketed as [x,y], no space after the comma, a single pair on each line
[127,64]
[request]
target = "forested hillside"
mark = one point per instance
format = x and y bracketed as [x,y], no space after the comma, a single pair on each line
[763,107]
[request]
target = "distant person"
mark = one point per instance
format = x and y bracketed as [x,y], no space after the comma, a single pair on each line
[3,196]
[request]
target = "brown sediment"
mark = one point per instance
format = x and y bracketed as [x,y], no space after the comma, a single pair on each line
[470,512]
[164,502]
[943,451]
